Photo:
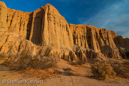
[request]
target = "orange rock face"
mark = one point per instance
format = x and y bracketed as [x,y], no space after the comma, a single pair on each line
[33,31]
[91,37]
[44,26]
[99,40]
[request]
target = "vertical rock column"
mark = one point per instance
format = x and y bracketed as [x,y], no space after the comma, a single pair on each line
[55,29]
[3,17]
[3,23]
[45,28]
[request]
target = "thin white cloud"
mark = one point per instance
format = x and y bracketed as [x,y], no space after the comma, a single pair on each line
[114,17]
[126,34]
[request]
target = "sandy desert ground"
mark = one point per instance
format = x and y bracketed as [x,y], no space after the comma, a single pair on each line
[64,79]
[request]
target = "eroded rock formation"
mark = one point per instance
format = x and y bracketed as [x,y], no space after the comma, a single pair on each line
[44,26]
[46,32]
[99,40]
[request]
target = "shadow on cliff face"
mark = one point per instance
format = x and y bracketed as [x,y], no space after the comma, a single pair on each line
[111,52]
[35,27]
[127,54]
[29,25]
[123,46]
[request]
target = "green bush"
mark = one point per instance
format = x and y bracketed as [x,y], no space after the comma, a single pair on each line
[103,71]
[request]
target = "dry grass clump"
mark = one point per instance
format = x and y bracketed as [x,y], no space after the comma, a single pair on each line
[9,63]
[23,61]
[122,70]
[32,66]
[43,64]
[26,61]
[103,71]
[2,55]
[81,64]
[70,72]
[77,63]
[42,74]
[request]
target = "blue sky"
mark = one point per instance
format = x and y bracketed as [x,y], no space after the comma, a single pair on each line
[109,14]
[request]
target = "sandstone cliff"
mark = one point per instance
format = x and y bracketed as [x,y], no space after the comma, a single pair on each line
[46,32]
[100,40]
[44,26]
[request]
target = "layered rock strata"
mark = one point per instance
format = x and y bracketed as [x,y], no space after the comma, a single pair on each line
[46,32]
[100,40]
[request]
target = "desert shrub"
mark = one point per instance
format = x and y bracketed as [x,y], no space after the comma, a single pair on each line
[126,64]
[73,63]
[26,61]
[123,70]
[9,63]
[42,74]
[2,55]
[118,70]
[42,64]
[103,70]
[47,52]
[77,63]
[23,61]
[80,62]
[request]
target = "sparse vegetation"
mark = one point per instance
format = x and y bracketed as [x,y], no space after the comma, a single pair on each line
[42,74]
[9,63]
[26,62]
[2,55]
[103,71]
[48,50]
[23,61]
[122,69]
[42,67]
[77,63]
[70,72]
[42,64]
